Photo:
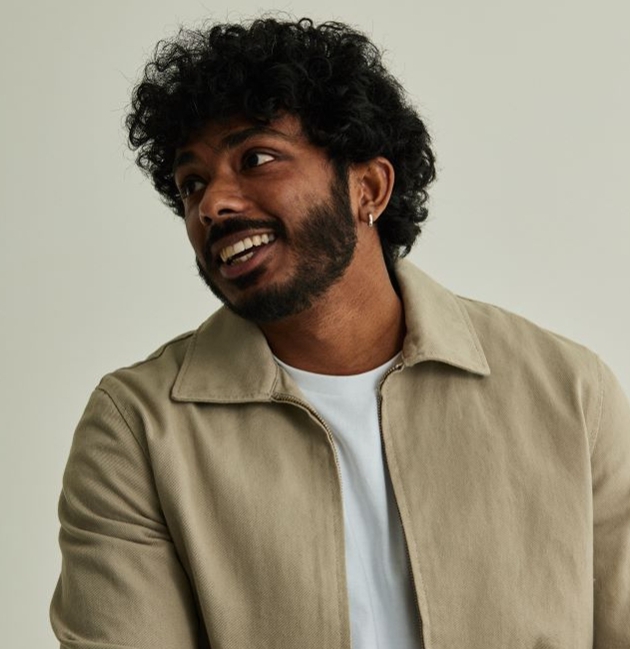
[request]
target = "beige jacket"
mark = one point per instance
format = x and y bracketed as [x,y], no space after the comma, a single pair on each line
[202,503]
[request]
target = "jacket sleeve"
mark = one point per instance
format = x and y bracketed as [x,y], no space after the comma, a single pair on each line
[121,583]
[610,462]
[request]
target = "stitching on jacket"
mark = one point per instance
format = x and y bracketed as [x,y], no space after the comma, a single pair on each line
[235,397]
[155,355]
[471,331]
[340,574]
[190,352]
[160,350]
[426,620]
[600,376]
[119,410]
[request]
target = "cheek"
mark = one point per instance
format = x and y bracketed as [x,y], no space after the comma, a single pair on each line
[195,235]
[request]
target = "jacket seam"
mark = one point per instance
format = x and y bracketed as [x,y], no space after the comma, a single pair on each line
[600,408]
[426,618]
[119,409]
[190,352]
[472,332]
[341,575]
[159,352]
[340,571]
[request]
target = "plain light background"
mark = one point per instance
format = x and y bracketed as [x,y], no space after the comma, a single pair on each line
[528,105]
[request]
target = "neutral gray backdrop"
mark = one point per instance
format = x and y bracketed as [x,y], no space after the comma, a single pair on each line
[528,104]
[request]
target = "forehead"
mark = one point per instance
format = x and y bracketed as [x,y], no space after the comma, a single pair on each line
[223,135]
[229,132]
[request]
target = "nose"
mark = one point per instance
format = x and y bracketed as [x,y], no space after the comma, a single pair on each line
[223,197]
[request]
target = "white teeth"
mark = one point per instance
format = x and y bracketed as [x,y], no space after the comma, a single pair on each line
[240,260]
[256,240]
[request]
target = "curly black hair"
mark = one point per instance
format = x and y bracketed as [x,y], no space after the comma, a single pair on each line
[330,76]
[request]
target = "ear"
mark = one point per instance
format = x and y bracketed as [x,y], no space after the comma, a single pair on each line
[373,185]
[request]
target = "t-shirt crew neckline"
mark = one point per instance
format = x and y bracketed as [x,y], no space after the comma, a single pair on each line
[337,384]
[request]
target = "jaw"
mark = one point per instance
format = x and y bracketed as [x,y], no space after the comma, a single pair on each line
[242,283]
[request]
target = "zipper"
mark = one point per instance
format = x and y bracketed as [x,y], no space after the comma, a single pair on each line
[287,398]
[391,370]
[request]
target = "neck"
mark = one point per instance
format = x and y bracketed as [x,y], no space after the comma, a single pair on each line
[357,326]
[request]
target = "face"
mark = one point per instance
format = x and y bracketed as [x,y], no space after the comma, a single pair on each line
[269,218]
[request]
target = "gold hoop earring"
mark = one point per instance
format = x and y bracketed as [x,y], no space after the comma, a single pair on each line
[370,220]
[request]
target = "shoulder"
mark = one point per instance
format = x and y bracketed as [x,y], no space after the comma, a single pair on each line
[148,383]
[156,373]
[438,319]
[531,372]
[541,369]
[508,337]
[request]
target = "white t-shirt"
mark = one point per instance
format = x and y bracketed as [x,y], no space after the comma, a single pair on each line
[383,612]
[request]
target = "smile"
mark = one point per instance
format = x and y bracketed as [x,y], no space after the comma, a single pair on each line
[240,251]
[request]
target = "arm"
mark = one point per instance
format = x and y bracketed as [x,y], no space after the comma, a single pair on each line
[610,463]
[121,583]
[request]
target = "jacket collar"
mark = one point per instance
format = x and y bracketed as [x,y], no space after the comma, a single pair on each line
[228,359]
[438,326]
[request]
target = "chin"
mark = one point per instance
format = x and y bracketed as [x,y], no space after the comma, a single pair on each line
[269,304]
[252,302]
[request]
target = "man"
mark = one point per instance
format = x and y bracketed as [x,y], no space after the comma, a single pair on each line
[347,454]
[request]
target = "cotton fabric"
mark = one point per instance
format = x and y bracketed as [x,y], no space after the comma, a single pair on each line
[383,611]
[201,502]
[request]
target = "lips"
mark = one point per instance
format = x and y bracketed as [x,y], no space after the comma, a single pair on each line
[237,253]
[243,249]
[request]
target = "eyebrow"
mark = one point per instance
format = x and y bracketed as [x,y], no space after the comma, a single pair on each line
[232,140]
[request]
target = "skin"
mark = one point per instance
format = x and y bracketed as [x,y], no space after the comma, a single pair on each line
[231,171]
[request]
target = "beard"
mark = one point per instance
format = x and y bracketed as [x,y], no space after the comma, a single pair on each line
[323,246]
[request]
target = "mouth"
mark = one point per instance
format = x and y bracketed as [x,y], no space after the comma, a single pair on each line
[243,254]
[244,249]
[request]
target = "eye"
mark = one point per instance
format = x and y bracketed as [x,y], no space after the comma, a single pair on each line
[256,159]
[190,185]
